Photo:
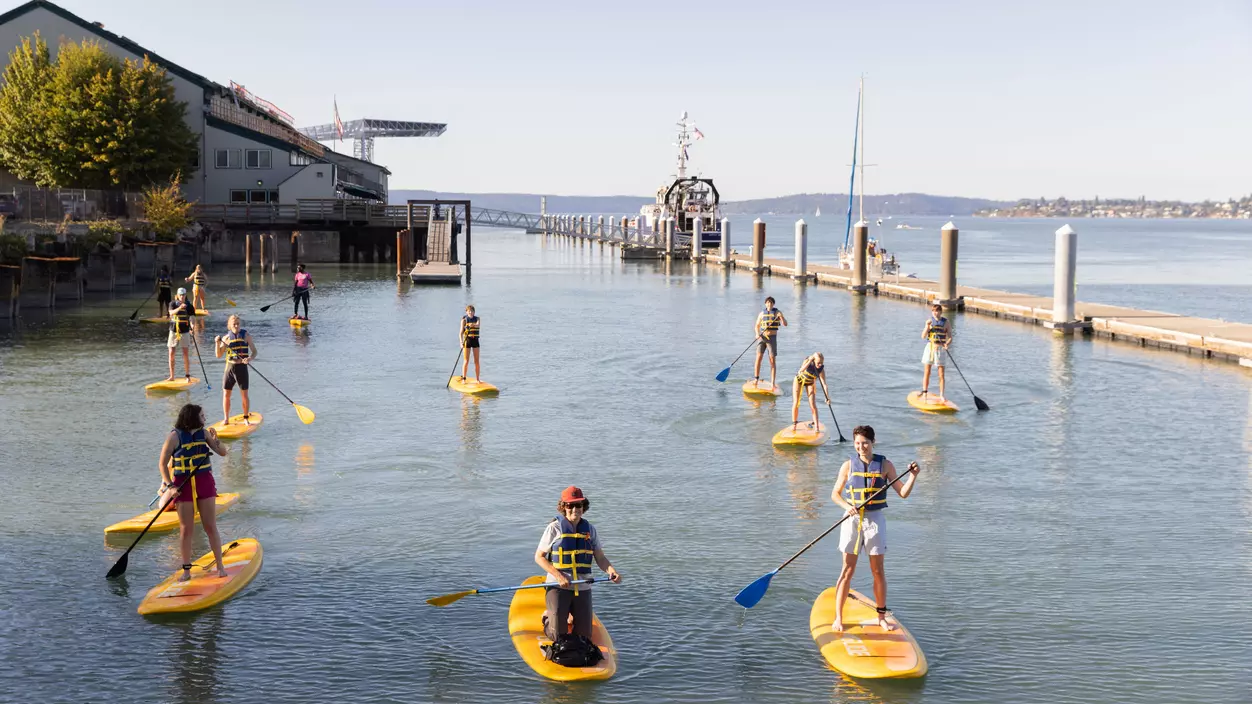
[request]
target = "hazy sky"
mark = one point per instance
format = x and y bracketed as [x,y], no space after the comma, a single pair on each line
[993,99]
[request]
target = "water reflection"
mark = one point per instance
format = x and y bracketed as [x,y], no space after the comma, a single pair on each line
[304,459]
[1058,427]
[237,465]
[804,481]
[194,657]
[856,320]
[471,422]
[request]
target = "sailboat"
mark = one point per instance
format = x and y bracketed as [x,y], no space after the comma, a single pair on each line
[886,263]
[818,214]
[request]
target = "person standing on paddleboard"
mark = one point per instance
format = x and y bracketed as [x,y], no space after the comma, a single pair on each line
[566,551]
[199,280]
[470,325]
[766,328]
[187,478]
[812,370]
[938,336]
[164,291]
[239,349]
[180,313]
[865,527]
[303,284]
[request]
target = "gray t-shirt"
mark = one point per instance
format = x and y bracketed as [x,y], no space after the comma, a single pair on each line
[550,539]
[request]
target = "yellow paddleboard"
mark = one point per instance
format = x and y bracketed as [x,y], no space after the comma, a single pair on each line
[203,313]
[469,386]
[803,434]
[931,403]
[242,559]
[864,649]
[239,426]
[168,519]
[526,629]
[298,322]
[170,387]
[761,389]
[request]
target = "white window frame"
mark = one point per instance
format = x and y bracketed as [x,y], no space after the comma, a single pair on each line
[247,160]
[217,154]
[299,158]
[243,197]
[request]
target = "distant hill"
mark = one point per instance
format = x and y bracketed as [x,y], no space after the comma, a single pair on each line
[799,204]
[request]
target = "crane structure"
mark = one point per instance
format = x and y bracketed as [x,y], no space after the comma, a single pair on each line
[364,132]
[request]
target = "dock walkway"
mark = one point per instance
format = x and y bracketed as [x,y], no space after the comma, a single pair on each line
[1202,336]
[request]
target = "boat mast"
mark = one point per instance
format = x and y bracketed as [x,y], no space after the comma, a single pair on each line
[856,133]
[860,119]
[683,140]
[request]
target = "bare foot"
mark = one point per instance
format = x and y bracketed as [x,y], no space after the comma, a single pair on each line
[185,576]
[837,625]
[170,377]
[885,623]
[226,420]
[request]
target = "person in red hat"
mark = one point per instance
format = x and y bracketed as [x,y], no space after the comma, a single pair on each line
[566,551]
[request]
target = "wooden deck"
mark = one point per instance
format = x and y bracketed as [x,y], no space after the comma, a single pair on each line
[1202,336]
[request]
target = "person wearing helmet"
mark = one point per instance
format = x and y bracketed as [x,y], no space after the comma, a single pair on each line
[566,551]
[181,312]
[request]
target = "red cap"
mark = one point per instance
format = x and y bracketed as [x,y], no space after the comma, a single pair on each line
[572,494]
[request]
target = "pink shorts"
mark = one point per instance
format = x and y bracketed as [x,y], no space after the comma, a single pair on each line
[205,487]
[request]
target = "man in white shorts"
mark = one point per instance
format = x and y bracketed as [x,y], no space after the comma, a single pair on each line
[861,491]
[181,311]
[938,336]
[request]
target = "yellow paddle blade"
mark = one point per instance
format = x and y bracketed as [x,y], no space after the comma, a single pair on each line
[449,598]
[306,416]
[232,303]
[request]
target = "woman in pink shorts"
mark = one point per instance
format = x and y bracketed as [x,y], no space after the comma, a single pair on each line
[187,482]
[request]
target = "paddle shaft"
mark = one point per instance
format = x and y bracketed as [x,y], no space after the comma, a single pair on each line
[832,415]
[203,371]
[265,308]
[979,403]
[745,351]
[280,391]
[841,520]
[122,560]
[141,305]
[536,586]
[459,352]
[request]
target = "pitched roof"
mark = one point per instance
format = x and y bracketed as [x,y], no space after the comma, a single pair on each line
[111,38]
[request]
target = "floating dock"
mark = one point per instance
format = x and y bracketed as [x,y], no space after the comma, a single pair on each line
[435,273]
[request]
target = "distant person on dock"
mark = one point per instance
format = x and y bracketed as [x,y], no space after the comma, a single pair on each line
[187,478]
[857,486]
[812,370]
[198,280]
[180,313]
[470,325]
[239,349]
[566,552]
[938,336]
[766,329]
[304,284]
[164,291]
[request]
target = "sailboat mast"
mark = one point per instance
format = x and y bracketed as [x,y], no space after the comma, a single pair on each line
[856,133]
[860,119]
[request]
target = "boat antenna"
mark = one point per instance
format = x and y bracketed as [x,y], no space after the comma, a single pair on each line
[852,183]
[684,140]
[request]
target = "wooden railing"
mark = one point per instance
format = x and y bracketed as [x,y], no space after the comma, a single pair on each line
[224,109]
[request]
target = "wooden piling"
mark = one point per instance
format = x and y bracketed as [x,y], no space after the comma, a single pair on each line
[860,255]
[247,252]
[948,238]
[758,246]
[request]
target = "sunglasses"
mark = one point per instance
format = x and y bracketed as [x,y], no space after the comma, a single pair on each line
[578,505]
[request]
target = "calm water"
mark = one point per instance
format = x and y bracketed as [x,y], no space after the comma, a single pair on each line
[1086,540]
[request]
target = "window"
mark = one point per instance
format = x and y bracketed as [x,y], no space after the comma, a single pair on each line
[300,159]
[321,174]
[239,196]
[226,158]
[257,158]
[257,196]
[274,197]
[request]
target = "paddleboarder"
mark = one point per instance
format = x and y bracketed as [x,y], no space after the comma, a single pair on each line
[239,349]
[938,336]
[180,312]
[164,291]
[470,325]
[300,292]
[187,477]
[566,551]
[766,329]
[865,529]
[812,370]
[198,280]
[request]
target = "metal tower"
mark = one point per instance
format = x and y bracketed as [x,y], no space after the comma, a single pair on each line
[363,133]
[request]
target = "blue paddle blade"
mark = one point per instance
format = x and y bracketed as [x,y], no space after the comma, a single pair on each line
[721,376]
[751,594]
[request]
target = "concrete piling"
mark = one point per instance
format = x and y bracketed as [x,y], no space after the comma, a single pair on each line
[697,239]
[860,254]
[600,228]
[948,238]
[758,246]
[801,274]
[1065,284]
[668,228]
[725,242]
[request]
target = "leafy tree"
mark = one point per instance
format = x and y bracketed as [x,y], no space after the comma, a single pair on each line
[89,119]
[166,209]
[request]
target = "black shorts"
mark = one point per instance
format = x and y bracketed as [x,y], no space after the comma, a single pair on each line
[164,298]
[235,374]
[471,343]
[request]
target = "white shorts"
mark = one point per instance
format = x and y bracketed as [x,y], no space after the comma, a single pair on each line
[871,535]
[932,355]
[175,341]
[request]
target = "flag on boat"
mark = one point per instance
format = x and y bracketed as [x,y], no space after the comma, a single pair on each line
[338,122]
[699,134]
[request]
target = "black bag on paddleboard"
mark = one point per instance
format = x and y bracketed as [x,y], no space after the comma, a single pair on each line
[572,650]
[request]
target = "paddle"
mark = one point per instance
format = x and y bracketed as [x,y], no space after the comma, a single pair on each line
[721,376]
[203,371]
[832,415]
[981,404]
[751,594]
[228,301]
[306,416]
[457,596]
[141,305]
[119,567]
[265,308]
[459,352]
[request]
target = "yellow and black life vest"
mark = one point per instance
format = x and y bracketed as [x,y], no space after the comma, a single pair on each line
[864,481]
[471,327]
[236,345]
[180,320]
[809,372]
[192,453]
[771,320]
[937,330]
[199,278]
[573,552]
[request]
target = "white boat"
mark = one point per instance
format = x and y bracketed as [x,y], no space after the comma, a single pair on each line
[878,262]
[818,214]
[687,198]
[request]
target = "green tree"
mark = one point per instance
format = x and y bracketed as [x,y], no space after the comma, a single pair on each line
[101,122]
[166,210]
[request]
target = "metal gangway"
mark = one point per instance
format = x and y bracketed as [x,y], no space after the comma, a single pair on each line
[338,211]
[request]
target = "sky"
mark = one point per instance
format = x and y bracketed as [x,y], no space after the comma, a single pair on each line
[990,99]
